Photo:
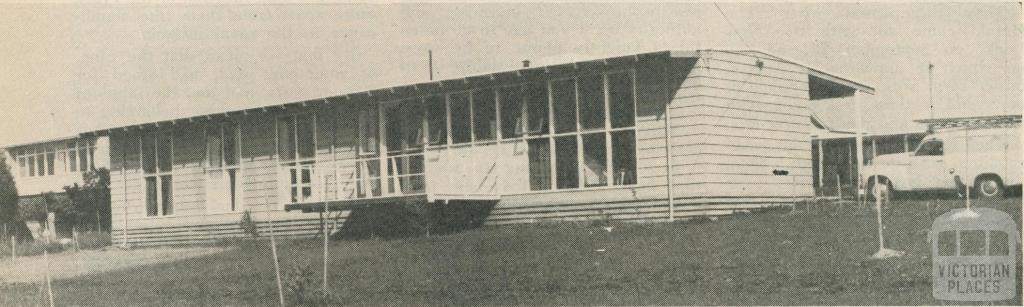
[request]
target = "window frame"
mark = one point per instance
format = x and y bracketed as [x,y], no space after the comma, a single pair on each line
[607,130]
[157,173]
[297,163]
[224,168]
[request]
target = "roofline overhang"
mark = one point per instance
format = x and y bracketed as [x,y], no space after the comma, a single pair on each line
[50,140]
[489,77]
[810,71]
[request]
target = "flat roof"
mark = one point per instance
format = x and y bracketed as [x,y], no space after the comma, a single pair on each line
[491,77]
[50,140]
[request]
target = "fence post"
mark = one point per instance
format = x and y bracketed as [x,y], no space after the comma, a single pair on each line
[14,248]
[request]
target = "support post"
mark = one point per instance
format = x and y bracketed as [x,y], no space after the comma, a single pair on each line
[14,248]
[821,165]
[860,144]
[906,143]
[668,148]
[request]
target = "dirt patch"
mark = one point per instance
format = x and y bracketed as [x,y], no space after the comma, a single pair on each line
[70,264]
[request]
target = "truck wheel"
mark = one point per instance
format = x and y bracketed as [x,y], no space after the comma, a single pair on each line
[989,187]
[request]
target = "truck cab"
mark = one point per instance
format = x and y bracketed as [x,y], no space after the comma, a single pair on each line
[986,159]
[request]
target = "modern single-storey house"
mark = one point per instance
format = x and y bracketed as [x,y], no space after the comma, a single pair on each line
[646,137]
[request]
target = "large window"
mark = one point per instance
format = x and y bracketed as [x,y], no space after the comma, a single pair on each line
[460,115]
[223,178]
[594,133]
[563,103]
[157,165]
[437,120]
[404,139]
[485,125]
[368,131]
[537,109]
[368,166]
[403,126]
[296,145]
[513,112]
[566,170]
[540,163]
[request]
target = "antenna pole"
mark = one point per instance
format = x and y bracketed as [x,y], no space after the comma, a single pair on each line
[430,63]
[931,104]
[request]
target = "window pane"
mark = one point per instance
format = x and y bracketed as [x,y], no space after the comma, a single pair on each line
[485,124]
[624,157]
[22,169]
[285,138]
[214,146]
[563,95]
[512,121]
[165,154]
[999,243]
[368,129]
[412,128]
[167,194]
[947,243]
[62,161]
[540,164]
[620,100]
[537,107]
[461,125]
[972,243]
[592,102]
[84,162]
[393,127]
[231,151]
[50,158]
[149,154]
[73,161]
[931,148]
[92,154]
[151,208]
[32,165]
[566,162]
[40,166]
[306,136]
[436,120]
[595,161]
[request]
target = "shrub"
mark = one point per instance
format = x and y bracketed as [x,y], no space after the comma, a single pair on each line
[249,226]
[302,287]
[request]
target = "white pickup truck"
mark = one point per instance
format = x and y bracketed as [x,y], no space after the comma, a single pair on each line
[987,159]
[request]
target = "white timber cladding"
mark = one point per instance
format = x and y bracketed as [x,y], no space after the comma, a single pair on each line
[735,121]
[732,122]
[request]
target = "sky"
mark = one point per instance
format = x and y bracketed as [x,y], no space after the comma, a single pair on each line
[68,69]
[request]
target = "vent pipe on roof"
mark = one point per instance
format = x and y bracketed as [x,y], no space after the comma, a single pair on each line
[526,63]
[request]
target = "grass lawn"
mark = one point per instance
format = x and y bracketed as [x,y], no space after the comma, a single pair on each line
[767,258]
